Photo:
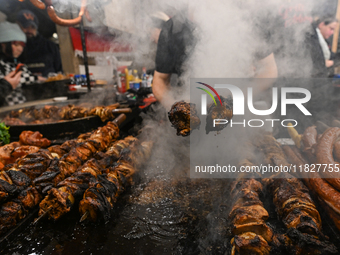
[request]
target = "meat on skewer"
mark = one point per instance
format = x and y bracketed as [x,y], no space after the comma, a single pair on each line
[14,211]
[60,200]
[247,218]
[99,200]
[183,116]
[34,138]
[18,176]
[9,153]
[17,212]
[222,111]
[50,113]
[294,206]
[69,162]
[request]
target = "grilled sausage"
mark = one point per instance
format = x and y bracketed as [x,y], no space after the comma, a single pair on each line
[309,140]
[296,158]
[325,156]
[38,4]
[326,192]
[337,150]
[62,22]
[309,137]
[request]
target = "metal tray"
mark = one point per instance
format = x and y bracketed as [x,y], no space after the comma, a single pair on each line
[56,130]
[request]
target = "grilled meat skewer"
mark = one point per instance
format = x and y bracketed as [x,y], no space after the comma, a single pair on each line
[14,211]
[34,138]
[98,201]
[220,111]
[110,131]
[59,201]
[294,206]
[183,116]
[18,176]
[247,217]
[69,163]
[49,113]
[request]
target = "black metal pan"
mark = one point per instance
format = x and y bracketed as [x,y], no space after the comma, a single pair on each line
[57,130]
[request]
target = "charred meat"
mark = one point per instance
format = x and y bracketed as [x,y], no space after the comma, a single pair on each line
[183,116]
[98,201]
[34,138]
[219,111]
[247,217]
[294,206]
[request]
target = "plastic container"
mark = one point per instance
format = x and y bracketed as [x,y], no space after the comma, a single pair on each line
[144,79]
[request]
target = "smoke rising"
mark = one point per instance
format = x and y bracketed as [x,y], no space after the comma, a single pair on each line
[232,38]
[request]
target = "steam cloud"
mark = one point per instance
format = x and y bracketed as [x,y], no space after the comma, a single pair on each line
[230,34]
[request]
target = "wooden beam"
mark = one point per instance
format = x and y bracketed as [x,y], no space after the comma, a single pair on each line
[69,61]
[336,32]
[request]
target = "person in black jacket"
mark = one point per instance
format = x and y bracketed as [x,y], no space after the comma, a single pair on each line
[318,48]
[12,42]
[176,44]
[41,55]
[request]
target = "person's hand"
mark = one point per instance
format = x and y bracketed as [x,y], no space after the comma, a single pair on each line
[41,79]
[329,63]
[13,78]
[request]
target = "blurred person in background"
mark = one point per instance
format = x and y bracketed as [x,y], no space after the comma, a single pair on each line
[158,21]
[176,44]
[319,50]
[41,55]
[12,43]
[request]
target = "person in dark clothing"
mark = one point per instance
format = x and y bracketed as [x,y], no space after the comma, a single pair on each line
[318,48]
[175,44]
[12,41]
[42,56]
